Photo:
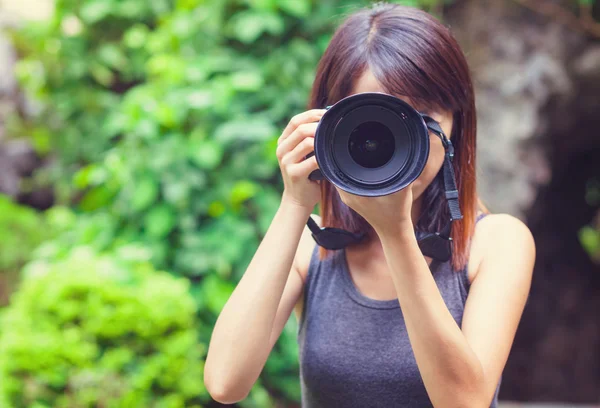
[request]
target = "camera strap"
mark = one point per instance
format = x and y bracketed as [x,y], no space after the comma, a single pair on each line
[437,245]
[450,187]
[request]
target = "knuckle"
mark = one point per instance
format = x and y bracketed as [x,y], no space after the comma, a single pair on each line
[280,153]
[295,121]
[305,129]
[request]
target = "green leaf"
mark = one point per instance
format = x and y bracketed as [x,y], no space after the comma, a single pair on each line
[145,193]
[159,221]
[249,81]
[216,293]
[242,191]
[254,130]
[94,11]
[207,154]
[200,99]
[216,208]
[167,116]
[101,74]
[297,8]
[96,198]
[112,56]
[247,26]
[590,240]
[136,36]
[133,9]
[262,4]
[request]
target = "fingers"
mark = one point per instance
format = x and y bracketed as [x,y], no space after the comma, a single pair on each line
[302,170]
[313,115]
[302,132]
[300,151]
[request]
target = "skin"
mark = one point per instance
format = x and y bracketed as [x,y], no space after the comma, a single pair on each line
[460,366]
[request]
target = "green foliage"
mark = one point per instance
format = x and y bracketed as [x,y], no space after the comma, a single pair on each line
[95,330]
[21,231]
[162,118]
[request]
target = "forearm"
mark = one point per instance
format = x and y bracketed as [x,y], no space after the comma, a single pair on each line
[239,344]
[450,370]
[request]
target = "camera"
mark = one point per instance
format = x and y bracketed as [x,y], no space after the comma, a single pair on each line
[371,144]
[374,144]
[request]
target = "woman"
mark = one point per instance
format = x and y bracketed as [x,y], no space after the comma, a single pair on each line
[381,325]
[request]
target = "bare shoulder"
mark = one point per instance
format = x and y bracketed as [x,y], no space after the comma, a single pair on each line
[497,237]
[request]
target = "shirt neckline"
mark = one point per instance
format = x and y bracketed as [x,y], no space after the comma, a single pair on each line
[355,294]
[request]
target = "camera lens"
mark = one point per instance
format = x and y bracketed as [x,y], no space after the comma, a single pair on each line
[371,144]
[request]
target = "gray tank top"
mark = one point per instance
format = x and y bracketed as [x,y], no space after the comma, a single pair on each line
[354,350]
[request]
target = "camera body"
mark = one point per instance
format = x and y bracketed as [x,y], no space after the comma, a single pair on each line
[371,144]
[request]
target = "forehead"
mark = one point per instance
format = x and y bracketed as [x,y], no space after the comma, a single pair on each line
[367,82]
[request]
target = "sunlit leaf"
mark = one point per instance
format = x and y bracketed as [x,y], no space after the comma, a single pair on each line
[145,193]
[244,130]
[207,154]
[95,10]
[297,8]
[159,221]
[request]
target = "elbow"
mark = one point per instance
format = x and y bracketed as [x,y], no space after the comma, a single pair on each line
[221,392]
[478,394]
[473,391]
[224,394]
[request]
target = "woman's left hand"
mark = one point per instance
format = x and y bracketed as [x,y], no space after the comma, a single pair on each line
[385,213]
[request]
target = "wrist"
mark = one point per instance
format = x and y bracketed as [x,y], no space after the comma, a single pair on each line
[400,229]
[291,206]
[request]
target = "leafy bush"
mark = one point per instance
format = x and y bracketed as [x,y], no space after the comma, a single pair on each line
[22,229]
[89,330]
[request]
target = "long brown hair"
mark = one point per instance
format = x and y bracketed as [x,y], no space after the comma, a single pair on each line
[410,53]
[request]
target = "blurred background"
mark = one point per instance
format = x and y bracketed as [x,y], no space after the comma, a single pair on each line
[138,176]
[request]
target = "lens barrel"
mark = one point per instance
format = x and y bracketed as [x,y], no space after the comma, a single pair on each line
[371,144]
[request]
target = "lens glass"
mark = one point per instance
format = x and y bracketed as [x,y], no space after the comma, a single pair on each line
[371,144]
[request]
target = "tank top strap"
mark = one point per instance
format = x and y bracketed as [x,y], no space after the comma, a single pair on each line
[480,216]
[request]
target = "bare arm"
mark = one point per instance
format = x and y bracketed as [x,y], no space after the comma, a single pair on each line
[260,305]
[242,337]
[462,366]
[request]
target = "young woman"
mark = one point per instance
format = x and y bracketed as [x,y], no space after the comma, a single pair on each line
[380,324]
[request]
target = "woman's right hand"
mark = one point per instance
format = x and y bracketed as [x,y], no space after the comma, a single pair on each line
[296,141]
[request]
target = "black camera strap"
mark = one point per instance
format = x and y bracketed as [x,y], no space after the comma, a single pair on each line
[450,187]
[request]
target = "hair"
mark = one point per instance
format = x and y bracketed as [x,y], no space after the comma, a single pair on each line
[413,54]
